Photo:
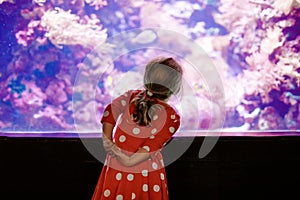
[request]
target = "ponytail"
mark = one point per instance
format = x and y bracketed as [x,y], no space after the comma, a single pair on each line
[143,102]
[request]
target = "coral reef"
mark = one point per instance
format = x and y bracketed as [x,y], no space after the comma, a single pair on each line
[47,44]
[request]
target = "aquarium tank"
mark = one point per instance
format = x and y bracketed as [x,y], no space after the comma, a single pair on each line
[62,62]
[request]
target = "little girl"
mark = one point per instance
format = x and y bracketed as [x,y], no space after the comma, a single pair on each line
[136,126]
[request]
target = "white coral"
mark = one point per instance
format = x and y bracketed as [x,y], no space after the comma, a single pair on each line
[97,3]
[39,2]
[64,28]
[9,1]
[286,6]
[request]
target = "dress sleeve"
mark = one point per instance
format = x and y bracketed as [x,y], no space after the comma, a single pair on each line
[157,140]
[113,110]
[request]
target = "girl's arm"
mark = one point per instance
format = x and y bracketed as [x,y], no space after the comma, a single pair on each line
[129,161]
[107,130]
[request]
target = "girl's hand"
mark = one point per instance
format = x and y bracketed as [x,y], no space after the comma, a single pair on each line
[129,161]
[107,145]
[107,131]
[123,158]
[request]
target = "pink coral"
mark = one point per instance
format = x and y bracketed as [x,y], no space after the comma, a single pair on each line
[85,117]
[160,19]
[25,37]
[54,116]
[56,92]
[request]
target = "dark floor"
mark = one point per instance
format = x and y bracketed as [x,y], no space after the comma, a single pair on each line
[236,168]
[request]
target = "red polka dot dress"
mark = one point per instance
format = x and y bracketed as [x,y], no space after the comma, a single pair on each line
[146,180]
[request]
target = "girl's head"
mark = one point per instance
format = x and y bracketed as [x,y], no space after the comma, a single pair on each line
[162,78]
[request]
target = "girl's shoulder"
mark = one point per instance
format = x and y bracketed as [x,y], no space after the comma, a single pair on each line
[135,92]
[129,93]
[169,109]
[132,93]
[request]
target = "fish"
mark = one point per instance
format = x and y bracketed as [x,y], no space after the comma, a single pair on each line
[145,37]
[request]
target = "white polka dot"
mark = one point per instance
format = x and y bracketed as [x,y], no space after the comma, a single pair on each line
[162,176]
[152,137]
[172,129]
[155,117]
[107,193]
[154,165]
[122,138]
[123,102]
[106,113]
[119,197]
[172,116]
[133,196]
[136,131]
[146,148]
[118,176]
[145,187]
[130,177]
[154,131]
[156,188]
[145,172]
